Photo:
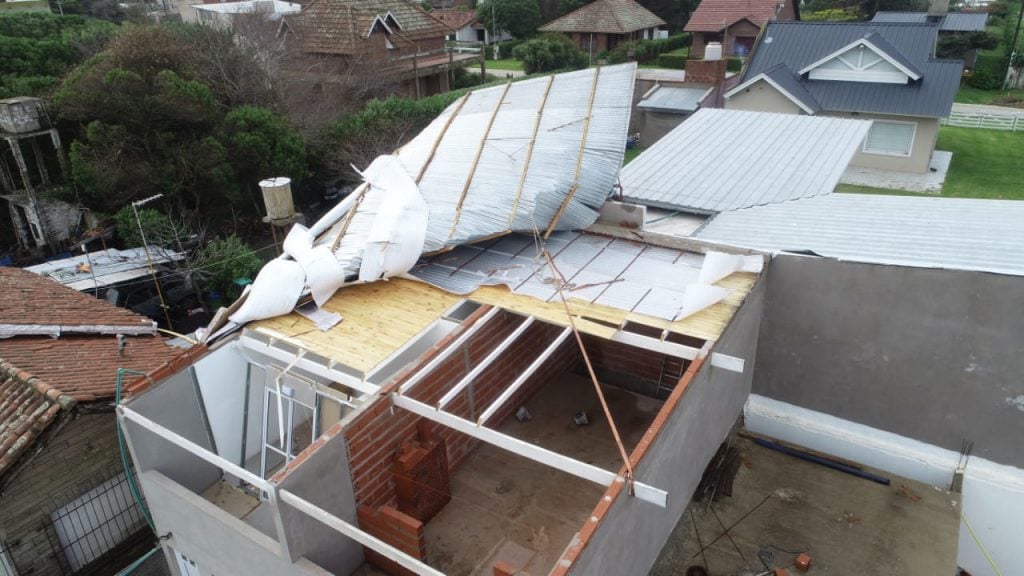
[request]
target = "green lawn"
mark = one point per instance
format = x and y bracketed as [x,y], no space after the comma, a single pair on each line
[505,64]
[986,163]
[631,153]
[972,95]
[684,51]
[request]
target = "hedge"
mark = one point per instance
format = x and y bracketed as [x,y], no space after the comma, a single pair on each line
[677,61]
[989,71]
[733,64]
[646,51]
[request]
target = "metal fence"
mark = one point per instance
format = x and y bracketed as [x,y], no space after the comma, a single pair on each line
[990,121]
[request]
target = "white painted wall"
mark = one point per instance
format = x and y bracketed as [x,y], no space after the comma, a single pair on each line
[993,494]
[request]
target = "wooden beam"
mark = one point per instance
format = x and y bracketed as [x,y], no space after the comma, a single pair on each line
[191,447]
[579,158]
[531,451]
[683,351]
[476,160]
[377,545]
[483,364]
[440,135]
[311,366]
[443,354]
[522,378]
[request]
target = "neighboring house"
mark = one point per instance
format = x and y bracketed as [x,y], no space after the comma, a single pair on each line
[224,14]
[65,505]
[950,22]
[882,72]
[467,28]
[396,38]
[32,163]
[604,24]
[735,23]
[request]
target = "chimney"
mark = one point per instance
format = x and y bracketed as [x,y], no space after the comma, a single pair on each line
[938,7]
[705,71]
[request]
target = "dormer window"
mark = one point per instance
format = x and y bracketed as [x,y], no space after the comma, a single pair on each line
[868,59]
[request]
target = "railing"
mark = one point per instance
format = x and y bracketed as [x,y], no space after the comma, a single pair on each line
[462,46]
[989,121]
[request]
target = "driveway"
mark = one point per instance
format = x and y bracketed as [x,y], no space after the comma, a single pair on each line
[987,109]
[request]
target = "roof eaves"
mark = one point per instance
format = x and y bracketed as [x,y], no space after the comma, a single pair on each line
[23,424]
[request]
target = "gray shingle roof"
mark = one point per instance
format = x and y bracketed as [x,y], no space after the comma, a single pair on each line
[728,159]
[798,44]
[958,233]
[951,22]
[609,16]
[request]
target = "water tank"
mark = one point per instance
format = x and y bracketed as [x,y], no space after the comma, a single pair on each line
[713,51]
[277,197]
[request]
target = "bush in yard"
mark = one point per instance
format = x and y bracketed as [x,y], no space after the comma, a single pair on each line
[988,72]
[733,64]
[158,226]
[549,52]
[646,51]
[223,260]
[677,61]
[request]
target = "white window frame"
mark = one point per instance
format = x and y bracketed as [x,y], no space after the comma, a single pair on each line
[910,148]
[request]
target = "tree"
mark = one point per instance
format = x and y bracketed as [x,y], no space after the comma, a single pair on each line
[958,44]
[519,18]
[221,261]
[548,53]
[567,6]
[262,145]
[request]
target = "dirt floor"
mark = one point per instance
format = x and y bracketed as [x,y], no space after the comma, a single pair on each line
[848,525]
[510,508]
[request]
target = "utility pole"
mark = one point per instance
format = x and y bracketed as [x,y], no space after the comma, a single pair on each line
[149,259]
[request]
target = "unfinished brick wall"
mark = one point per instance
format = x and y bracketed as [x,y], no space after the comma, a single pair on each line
[635,369]
[422,477]
[705,71]
[400,530]
[374,437]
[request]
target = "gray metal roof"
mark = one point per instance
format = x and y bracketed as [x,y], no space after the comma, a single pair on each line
[879,41]
[103,267]
[958,233]
[674,100]
[789,82]
[798,44]
[727,159]
[951,22]
[623,274]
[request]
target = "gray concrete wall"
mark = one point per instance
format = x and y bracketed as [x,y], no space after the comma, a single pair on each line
[215,540]
[925,136]
[762,97]
[323,480]
[633,532]
[174,405]
[931,354]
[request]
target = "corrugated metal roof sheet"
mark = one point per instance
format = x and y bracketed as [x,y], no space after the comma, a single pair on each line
[951,22]
[727,159]
[672,99]
[103,267]
[611,16]
[798,44]
[958,233]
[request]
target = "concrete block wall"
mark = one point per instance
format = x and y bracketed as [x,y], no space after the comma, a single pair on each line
[374,436]
[398,529]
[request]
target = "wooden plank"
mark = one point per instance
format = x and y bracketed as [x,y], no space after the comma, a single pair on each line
[440,135]
[529,152]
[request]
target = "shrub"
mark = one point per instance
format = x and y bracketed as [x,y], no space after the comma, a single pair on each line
[504,48]
[989,71]
[646,51]
[733,63]
[549,52]
[677,61]
[157,225]
[223,260]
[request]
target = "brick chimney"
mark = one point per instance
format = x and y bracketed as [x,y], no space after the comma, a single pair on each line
[705,71]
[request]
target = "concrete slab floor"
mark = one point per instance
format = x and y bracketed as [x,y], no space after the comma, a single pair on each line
[509,508]
[231,499]
[848,525]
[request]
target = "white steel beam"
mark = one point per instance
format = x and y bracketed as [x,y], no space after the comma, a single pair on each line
[306,364]
[678,350]
[192,447]
[376,544]
[487,361]
[448,351]
[531,451]
[521,379]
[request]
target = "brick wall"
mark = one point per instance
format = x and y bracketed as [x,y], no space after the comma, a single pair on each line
[400,530]
[634,369]
[83,455]
[422,478]
[705,71]
[374,437]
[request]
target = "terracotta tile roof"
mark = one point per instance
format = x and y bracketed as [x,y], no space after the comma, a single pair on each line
[27,298]
[715,15]
[28,406]
[606,16]
[455,19]
[342,26]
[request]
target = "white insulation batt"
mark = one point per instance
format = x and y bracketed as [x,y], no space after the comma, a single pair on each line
[528,156]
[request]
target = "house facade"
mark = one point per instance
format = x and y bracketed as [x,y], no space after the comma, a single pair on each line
[397,39]
[881,72]
[604,24]
[66,504]
[467,28]
[735,24]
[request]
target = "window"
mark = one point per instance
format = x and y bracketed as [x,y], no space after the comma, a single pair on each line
[890,138]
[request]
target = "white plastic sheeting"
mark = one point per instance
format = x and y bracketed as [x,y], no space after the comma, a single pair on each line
[537,155]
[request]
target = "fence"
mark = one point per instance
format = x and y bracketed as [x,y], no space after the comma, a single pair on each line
[989,121]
